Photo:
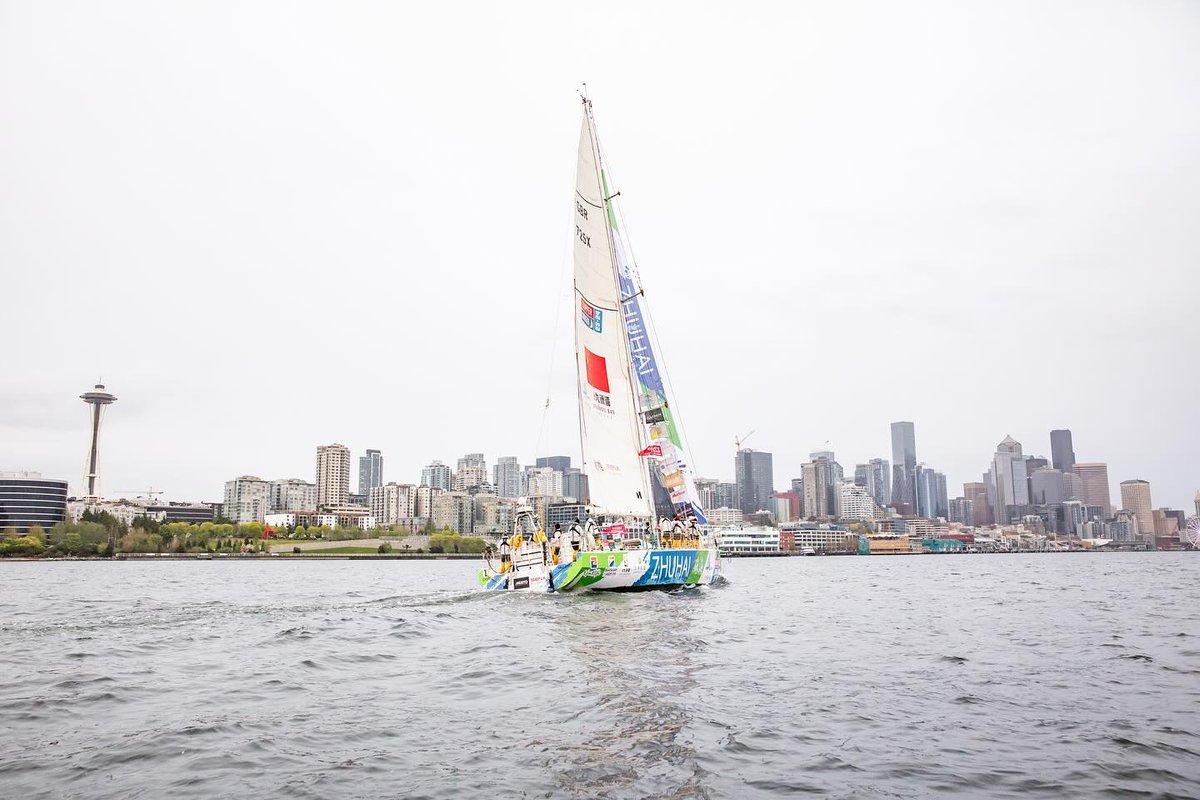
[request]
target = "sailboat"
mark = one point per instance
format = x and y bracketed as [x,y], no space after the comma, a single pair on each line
[629,434]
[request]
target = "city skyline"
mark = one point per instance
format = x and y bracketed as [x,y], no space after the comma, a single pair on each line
[871,195]
[903,439]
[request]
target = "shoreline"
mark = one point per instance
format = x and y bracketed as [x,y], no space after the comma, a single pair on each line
[318,556]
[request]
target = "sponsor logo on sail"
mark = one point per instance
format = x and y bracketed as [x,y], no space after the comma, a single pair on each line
[591,316]
[652,450]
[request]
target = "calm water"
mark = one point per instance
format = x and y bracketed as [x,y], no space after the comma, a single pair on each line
[1063,676]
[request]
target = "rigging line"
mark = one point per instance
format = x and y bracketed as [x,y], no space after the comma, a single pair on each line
[564,259]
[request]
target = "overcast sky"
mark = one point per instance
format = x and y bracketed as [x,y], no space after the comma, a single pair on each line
[270,226]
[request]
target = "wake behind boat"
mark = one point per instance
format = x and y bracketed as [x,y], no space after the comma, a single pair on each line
[628,433]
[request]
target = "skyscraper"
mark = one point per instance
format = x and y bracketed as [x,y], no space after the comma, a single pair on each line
[559,463]
[754,475]
[975,492]
[333,475]
[1048,486]
[1135,497]
[97,399]
[1095,485]
[436,475]
[904,462]
[370,472]
[1062,451]
[509,477]
[1008,484]
[879,481]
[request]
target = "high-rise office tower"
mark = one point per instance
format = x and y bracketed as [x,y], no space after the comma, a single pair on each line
[1197,499]
[879,481]
[509,477]
[754,475]
[827,480]
[97,399]
[1062,451]
[370,472]
[1094,476]
[976,493]
[1135,497]
[1008,485]
[436,475]
[333,475]
[575,484]
[1048,487]
[559,463]
[904,462]
[861,472]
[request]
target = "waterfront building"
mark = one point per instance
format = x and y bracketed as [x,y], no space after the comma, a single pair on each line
[1135,498]
[293,494]
[436,475]
[904,463]
[125,511]
[508,477]
[820,536]
[98,399]
[1048,486]
[961,511]
[1123,527]
[747,541]
[394,504]
[333,475]
[1094,477]
[455,511]
[345,516]
[855,502]
[1062,450]
[755,478]
[28,500]
[370,472]
[247,499]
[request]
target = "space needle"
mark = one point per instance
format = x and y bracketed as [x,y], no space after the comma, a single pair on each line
[97,399]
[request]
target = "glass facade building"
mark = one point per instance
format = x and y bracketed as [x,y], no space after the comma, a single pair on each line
[26,500]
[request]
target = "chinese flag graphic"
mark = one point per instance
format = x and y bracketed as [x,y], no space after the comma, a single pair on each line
[597,371]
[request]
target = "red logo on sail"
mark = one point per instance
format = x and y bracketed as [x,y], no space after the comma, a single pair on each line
[597,370]
[652,450]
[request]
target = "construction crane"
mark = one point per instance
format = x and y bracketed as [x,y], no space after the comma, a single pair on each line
[739,440]
[149,494]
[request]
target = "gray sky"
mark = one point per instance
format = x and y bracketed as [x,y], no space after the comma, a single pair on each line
[276,225]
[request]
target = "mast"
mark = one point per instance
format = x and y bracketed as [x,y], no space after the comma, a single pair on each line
[611,433]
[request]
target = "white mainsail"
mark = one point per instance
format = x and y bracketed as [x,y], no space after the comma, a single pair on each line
[610,430]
